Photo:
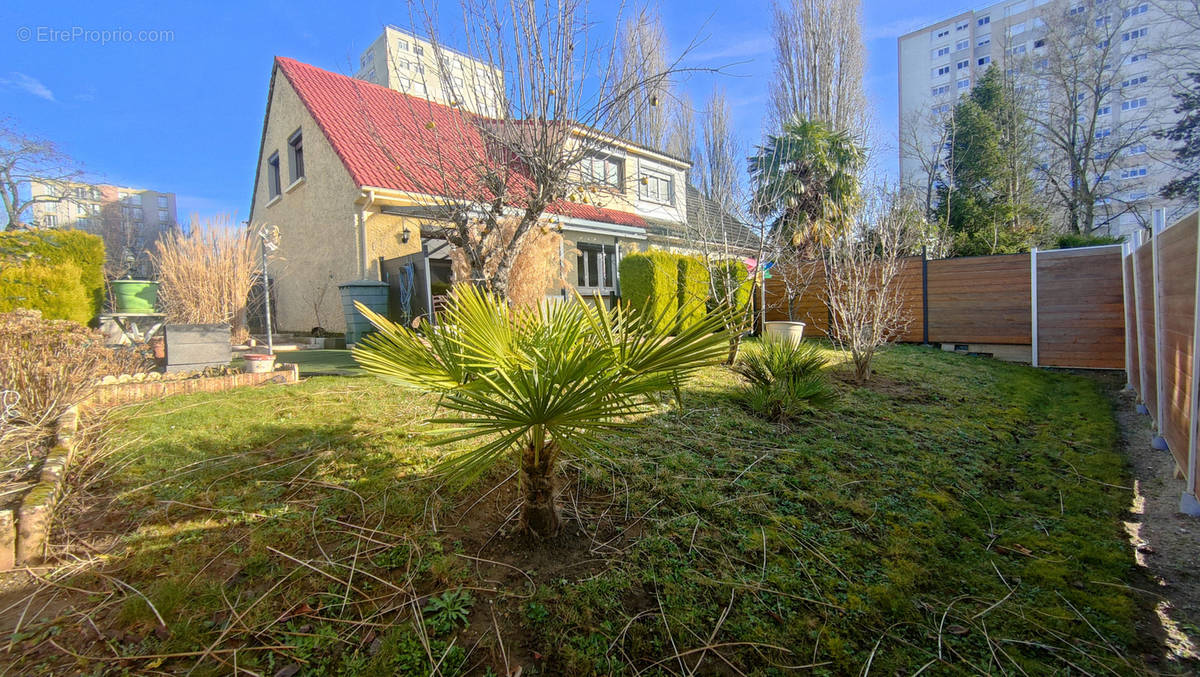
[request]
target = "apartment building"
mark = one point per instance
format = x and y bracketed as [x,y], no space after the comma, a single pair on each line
[410,64]
[941,62]
[130,220]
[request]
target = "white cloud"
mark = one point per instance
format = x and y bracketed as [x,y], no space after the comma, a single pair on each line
[740,48]
[894,29]
[29,85]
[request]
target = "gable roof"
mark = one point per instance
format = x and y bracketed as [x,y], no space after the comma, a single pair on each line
[388,139]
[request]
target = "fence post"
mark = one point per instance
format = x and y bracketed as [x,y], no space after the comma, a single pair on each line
[1033,303]
[924,295]
[1160,359]
[1126,304]
[1188,503]
[1137,321]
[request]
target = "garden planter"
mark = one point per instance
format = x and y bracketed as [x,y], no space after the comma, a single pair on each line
[791,331]
[192,347]
[259,364]
[134,296]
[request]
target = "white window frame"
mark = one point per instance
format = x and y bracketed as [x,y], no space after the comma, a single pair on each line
[652,184]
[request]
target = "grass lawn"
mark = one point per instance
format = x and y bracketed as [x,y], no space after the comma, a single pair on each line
[322,362]
[961,515]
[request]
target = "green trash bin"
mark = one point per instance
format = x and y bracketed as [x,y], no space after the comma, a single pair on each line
[371,293]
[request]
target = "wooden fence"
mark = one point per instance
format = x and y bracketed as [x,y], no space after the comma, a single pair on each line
[1061,308]
[1162,335]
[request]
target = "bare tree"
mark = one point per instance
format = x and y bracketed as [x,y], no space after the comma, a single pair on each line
[555,89]
[641,54]
[861,271]
[721,229]
[1088,114]
[33,171]
[820,63]
[928,139]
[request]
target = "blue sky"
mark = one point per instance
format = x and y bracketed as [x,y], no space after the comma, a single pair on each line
[182,111]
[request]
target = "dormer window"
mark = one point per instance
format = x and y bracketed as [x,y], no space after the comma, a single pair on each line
[656,188]
[602,170]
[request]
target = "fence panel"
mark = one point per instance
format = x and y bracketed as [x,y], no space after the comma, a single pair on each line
[1081,308]
[1144,270]
[910,295]
[981,299]
[1177,293]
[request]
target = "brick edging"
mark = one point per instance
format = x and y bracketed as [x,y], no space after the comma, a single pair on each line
[23,531]
[134,391]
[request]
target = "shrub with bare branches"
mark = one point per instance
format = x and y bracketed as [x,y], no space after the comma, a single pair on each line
[862,291]
[207,274]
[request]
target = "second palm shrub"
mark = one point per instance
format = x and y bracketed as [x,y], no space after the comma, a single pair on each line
[785,379]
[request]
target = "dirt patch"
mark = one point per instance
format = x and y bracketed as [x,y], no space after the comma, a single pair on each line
[889,387]
[1166,543]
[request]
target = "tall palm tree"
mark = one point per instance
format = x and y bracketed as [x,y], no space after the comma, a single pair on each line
[537,383]
[807,179]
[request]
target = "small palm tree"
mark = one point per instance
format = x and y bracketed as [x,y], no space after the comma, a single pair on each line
[537,383]
[807,180]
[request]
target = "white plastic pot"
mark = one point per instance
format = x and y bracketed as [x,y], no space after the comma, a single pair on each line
[791,331]
[259,364]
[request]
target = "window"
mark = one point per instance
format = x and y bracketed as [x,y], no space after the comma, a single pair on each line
[1039,43]
[943,108]
[985,61]
[1137,195]
[122,196]
[371,74]
[1136,58]
[1104,110]
[1102,21]
[656,188]
[403,63]
[961,45]
[162,201]
[1134,34]
[96,209]
[1135,81]
[137,213]
[1019,49]
[273,188]
[964,84]
[162,216]
[962,25]
[941,33]
[984,40]
[1137,9]
[402,45]
[365,58]
[983,21]
[940,90]
[1102,44]
[1133,172]
[1103,133]
[941,51]
[602,170]
[1134,104]
[594,266]
[965,63]
[295,157]
[418,50]
[1016,28]
[1137,149]
[50,220]
[1076,10]
[941,70]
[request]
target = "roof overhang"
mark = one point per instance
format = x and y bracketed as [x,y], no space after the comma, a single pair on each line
[571,224]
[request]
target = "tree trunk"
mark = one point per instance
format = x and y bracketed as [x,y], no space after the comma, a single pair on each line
[735,344]
[539,514]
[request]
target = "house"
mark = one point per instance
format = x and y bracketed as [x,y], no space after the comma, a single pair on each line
[340,172]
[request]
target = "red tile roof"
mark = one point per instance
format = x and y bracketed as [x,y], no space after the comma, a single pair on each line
[387,139]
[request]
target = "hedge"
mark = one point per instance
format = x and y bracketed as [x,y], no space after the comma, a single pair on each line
[47,249]
[692,288]
[648,284]
[55,290]
[729,273]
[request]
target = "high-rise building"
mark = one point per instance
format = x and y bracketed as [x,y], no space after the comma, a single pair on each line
[130,220]
[1125,44]
[408,63]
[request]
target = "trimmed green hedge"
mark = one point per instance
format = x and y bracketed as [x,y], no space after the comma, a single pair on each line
[692,288]
[648,284]
[82,252]
[56,290]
